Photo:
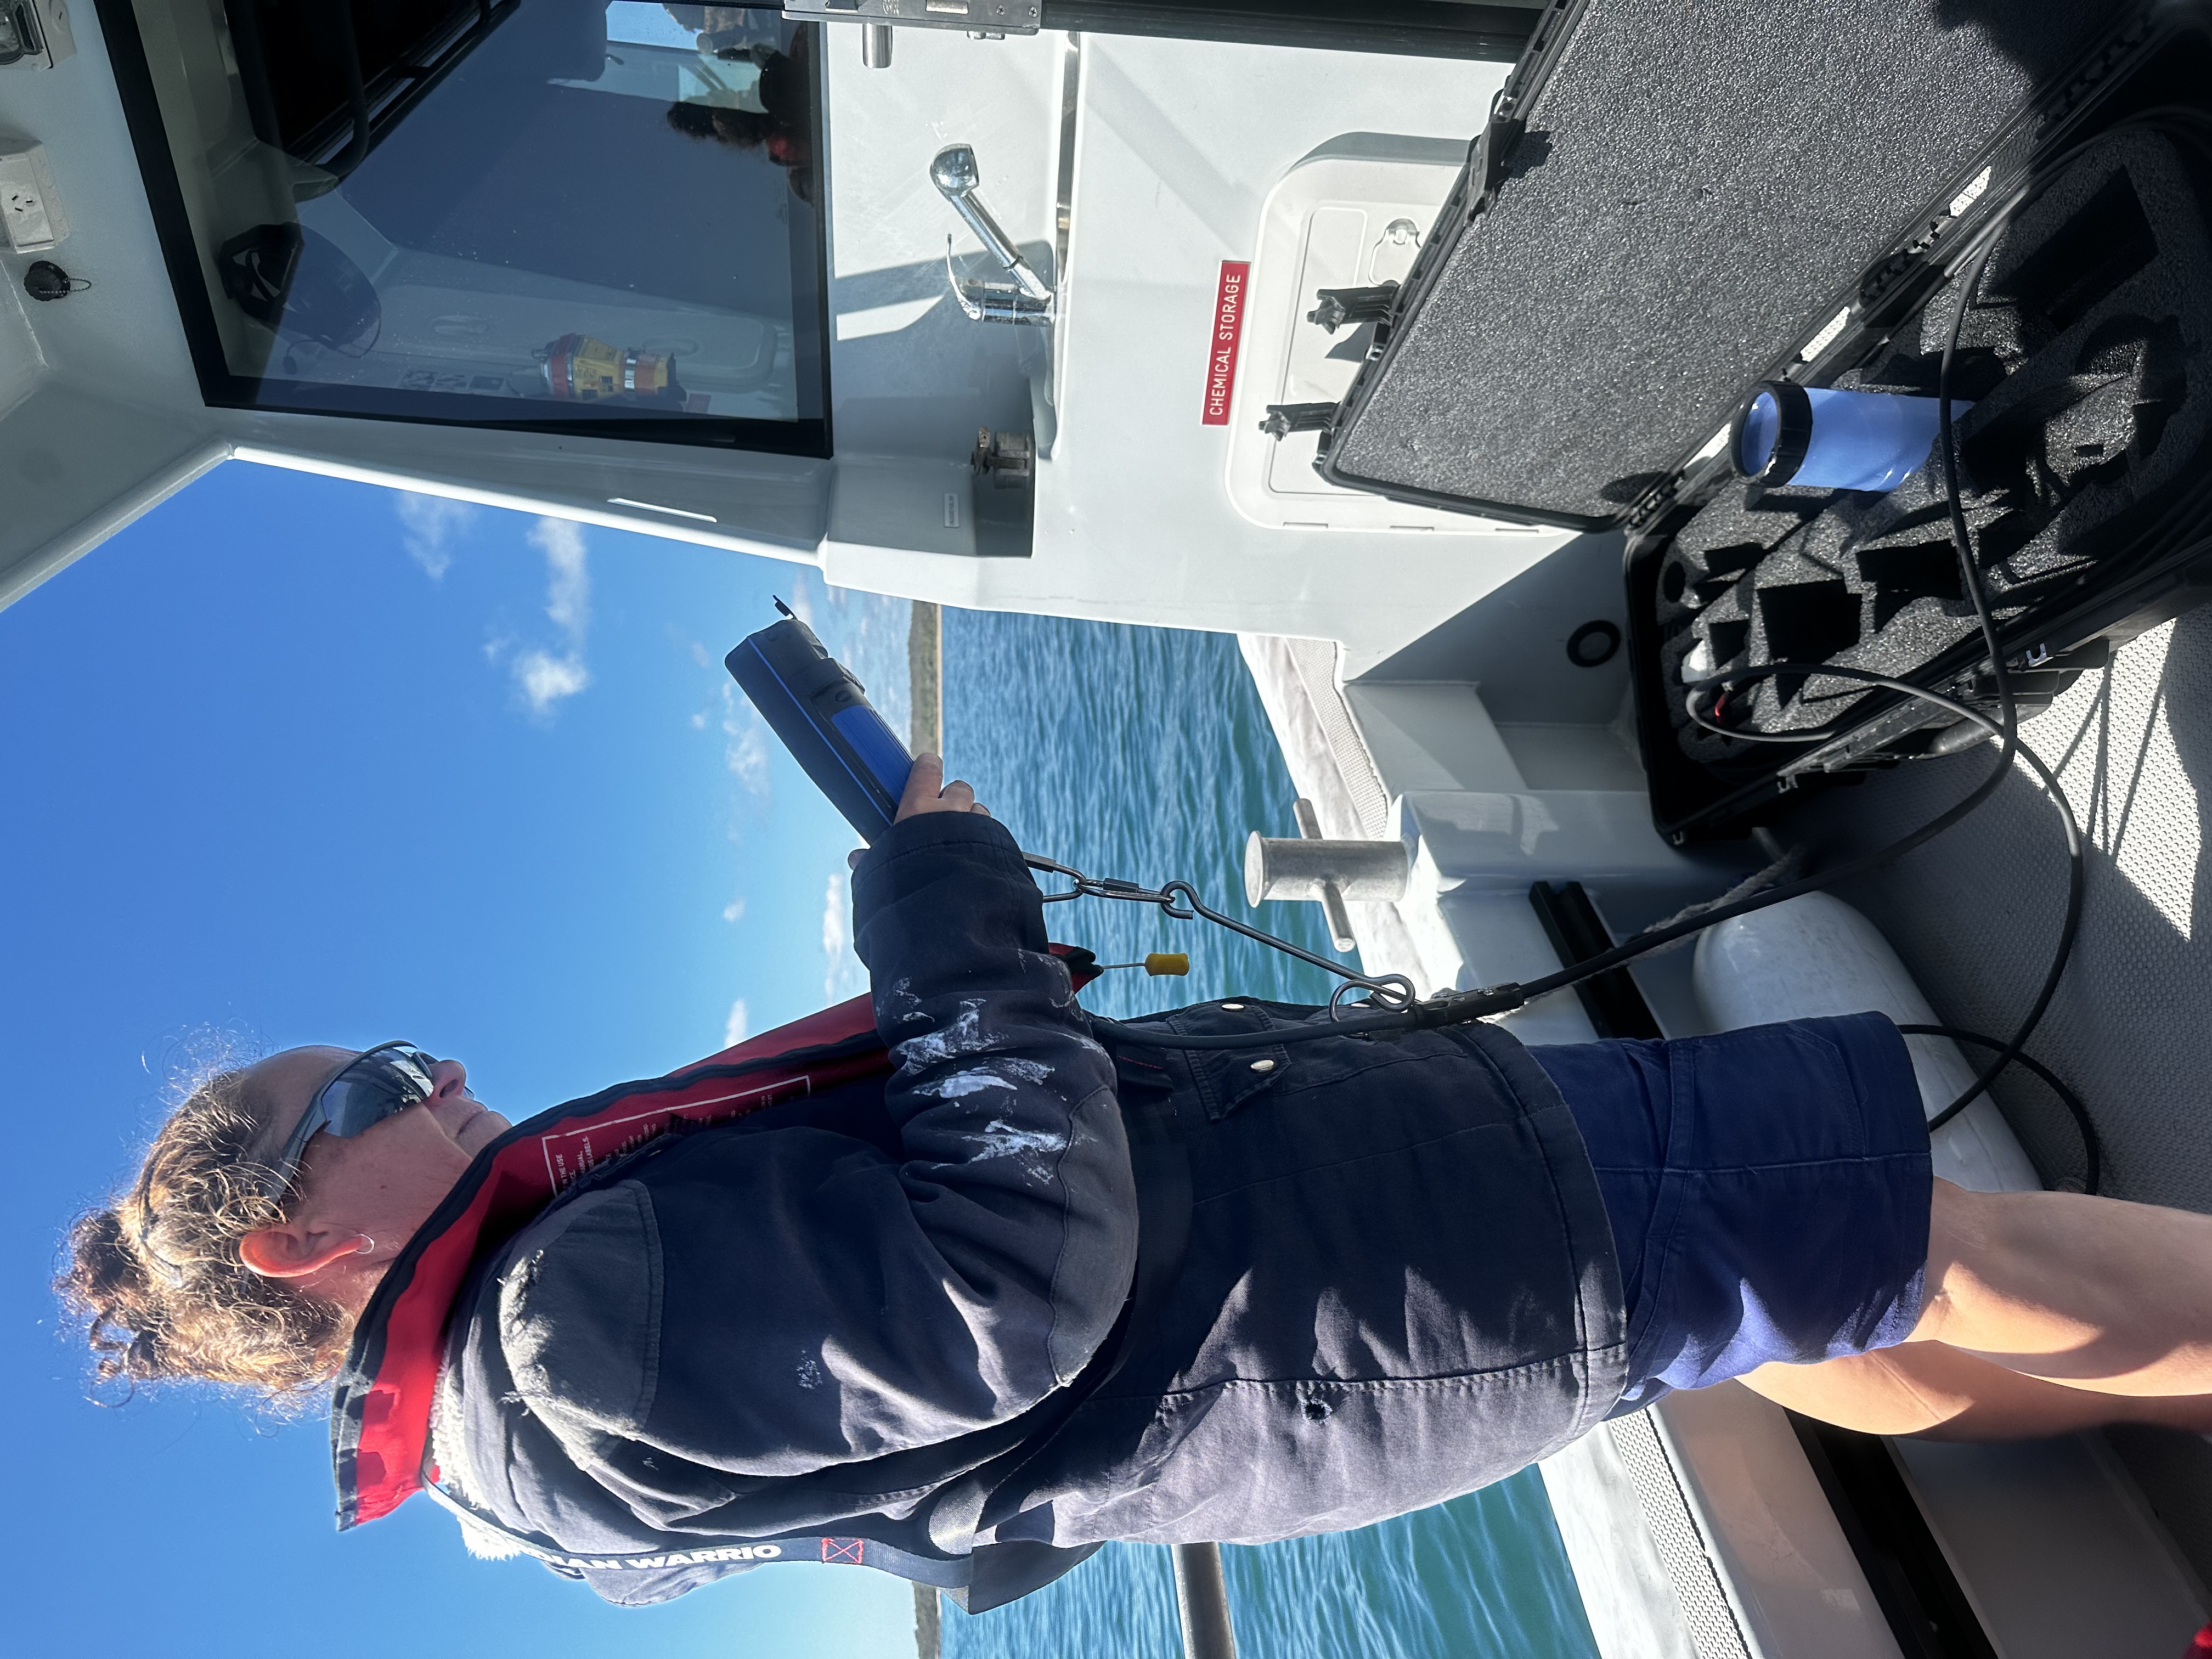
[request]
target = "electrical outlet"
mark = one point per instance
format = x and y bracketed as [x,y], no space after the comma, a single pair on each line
[28,207]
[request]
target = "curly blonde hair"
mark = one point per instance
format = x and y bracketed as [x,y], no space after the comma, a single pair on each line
[157,1274]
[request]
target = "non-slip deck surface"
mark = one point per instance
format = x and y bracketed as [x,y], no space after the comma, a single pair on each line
[1974,914]
[1699,179]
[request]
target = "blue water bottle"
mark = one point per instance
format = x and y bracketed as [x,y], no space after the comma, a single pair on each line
[1822,438]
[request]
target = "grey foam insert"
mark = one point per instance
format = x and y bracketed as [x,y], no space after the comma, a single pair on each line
[2086,356]
[1698,179]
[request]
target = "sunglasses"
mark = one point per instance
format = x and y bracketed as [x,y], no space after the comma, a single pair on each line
[379,1084]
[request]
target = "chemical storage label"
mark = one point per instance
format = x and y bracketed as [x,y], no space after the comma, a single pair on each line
[1228,329]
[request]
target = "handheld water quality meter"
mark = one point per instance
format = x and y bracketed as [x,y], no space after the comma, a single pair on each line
[824,717]
[823,714]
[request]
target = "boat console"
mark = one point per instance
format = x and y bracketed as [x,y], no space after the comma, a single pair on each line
[984,322]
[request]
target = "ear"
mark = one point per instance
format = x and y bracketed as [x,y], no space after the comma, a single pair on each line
[293,1251]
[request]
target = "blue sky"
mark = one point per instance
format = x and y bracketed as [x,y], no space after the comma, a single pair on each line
[295,760]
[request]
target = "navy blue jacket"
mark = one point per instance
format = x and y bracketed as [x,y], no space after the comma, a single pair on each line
[896,1320]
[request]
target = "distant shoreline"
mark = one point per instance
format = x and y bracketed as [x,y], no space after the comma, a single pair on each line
[929,1632]
[925,662]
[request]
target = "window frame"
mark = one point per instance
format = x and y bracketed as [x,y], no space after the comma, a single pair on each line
[222,387]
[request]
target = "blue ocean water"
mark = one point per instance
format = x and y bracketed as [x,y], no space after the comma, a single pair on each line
[1144,753]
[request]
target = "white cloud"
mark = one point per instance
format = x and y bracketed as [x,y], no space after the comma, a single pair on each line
[833,941]
[734,911]
[832,917]
[567,583]
[740,1026]
[744,750]
[546,676]
[430,522]
[543,680]
[802,599]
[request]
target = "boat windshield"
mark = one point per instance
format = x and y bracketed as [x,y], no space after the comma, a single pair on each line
[549,213]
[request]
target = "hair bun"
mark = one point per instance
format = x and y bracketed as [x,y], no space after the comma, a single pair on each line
[156,1274]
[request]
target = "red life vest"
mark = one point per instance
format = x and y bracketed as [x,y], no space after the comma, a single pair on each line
[380,1406]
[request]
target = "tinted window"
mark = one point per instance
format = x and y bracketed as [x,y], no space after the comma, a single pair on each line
[537,212]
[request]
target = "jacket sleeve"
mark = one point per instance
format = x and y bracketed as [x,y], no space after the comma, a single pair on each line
[781,1303]
[1002,1098]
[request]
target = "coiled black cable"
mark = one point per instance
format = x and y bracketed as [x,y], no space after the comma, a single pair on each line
[1457,1007]
[2076,874]
[2172,118]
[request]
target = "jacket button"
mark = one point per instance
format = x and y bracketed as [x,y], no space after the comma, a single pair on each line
[1263,1065]
[1234,1007]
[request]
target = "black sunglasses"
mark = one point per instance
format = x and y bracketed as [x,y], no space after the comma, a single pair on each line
[381,1083]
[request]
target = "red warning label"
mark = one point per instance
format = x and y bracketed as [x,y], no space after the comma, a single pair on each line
[1228,330]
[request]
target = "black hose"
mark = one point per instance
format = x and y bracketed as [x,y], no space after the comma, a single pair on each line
[1977,591]
[1456,1008]
[2076,873]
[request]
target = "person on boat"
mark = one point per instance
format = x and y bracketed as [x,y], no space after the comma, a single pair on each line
[979,1291]
[782,127]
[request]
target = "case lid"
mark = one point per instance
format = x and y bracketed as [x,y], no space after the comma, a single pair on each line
[1673,199]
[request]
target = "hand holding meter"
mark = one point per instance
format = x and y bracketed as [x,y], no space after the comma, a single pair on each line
[824,716]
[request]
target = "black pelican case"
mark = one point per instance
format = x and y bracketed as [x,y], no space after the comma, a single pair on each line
[1674,202]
